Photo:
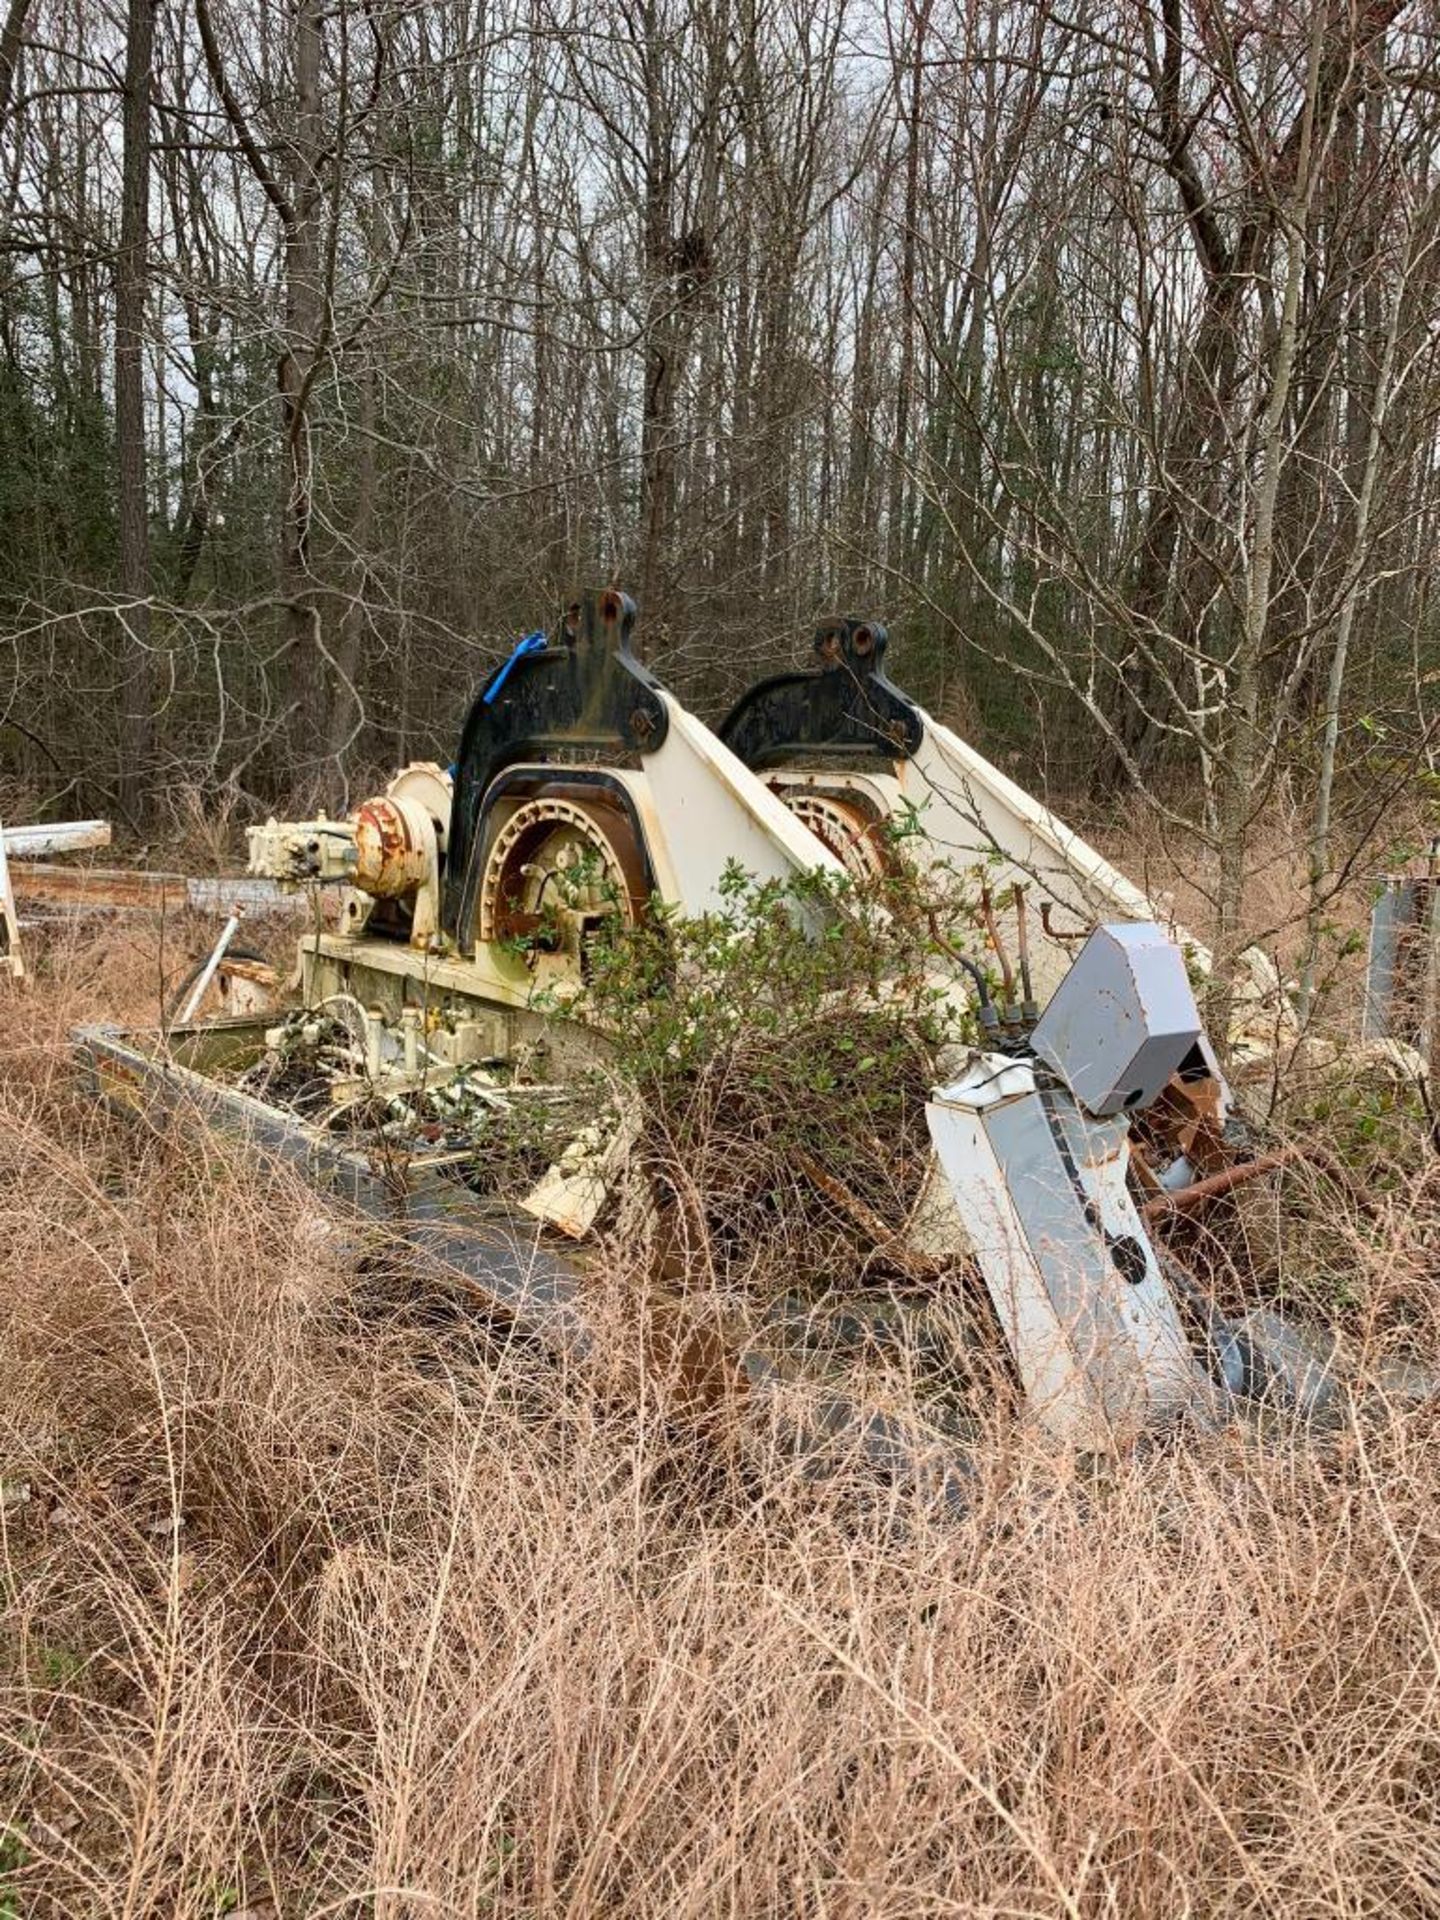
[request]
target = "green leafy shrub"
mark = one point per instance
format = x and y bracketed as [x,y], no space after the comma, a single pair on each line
[781,1049]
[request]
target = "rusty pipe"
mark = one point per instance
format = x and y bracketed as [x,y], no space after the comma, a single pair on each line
[1162,1205]
[1056,933]
[1007,972]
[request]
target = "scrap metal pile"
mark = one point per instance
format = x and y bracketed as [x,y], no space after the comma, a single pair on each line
[447,1014]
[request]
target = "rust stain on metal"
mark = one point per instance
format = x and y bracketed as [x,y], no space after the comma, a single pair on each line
[258,972]
[917,1266]
[1007,972]
[101,887]
[389,863]
[1186,1199]
[1186,1119]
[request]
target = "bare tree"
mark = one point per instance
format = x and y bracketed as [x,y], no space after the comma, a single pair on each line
[1091,348]
[132,466]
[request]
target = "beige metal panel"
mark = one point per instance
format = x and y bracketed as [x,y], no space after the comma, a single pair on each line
[494,974]
[710,810]
[970,808]
[883,791]
[974,816]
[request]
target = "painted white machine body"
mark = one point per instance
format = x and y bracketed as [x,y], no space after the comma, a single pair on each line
[958,811]
[971,816]
[1036,1152]
[704,811]
[1090,1321]
[699,808]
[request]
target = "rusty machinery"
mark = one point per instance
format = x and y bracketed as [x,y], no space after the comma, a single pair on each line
[869,770]
[582,790]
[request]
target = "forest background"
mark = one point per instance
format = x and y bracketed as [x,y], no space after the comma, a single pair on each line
[1092,349]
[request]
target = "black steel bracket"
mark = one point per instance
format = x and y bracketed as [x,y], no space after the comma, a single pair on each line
[584,690]
[843,709]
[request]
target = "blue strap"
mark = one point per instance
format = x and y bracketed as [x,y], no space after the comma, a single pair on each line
[532,643]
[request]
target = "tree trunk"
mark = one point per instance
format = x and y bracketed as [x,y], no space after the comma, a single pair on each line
[12,36]
[304,311]
[657,416]
[132,477]
[347,711]
[1239,756]
[898,526]
[1339,658]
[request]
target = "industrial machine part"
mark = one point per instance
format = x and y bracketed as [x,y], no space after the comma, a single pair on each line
[1121,1022]
[1037,1154]
[471,901]
[582,791]
[389,850]
[842,744]
[1402,977]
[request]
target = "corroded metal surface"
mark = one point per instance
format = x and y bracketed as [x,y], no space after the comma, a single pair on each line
[391,854]
[131,889]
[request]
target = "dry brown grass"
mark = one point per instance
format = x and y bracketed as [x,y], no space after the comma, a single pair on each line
[321,1599]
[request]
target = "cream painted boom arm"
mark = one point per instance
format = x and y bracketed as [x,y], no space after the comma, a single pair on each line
[971,814]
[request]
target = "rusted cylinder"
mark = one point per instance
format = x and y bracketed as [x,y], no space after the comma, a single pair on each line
[392,849]
[1163,1205]
[1184,1198]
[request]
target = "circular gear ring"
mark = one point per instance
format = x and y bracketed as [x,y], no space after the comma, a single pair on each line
[555,864]
[841,828]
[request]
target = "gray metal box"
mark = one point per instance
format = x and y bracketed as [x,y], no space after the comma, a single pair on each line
[1404,956]
[1122,1019]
